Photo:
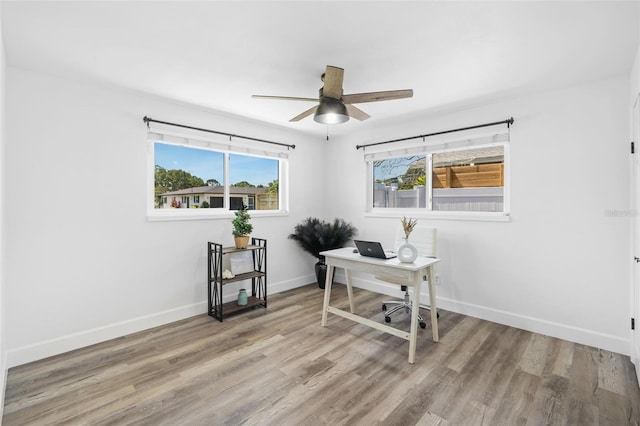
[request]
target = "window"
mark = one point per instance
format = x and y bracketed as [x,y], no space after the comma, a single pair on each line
[205,178]
[438,179]
[400,182]
[468,180]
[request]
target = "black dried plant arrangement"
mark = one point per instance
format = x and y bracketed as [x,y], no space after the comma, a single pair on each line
[315,235]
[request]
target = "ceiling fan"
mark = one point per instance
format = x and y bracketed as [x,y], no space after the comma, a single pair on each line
[334,107]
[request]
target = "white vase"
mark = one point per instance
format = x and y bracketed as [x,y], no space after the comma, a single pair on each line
[407,252]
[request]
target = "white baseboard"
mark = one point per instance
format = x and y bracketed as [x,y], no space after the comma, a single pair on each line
[45,349]
[40,350]
[537,325]
[291,284]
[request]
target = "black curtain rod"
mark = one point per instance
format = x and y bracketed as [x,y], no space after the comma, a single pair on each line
[151,120]
[508,122]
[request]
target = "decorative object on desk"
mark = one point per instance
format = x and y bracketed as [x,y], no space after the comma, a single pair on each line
[242,297]
[241,262]
[227,274]
[407,252]
[408,225]
[315,235]
[241,227]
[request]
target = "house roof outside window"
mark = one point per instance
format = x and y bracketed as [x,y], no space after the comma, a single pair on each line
[236,190]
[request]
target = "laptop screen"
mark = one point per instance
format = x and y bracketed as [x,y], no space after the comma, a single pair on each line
[373,249]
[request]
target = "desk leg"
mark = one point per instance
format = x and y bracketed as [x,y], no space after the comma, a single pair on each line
[432,304]
[327,294]
[347,274]
[413,332]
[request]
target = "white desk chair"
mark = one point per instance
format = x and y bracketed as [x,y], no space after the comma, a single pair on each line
[424,239]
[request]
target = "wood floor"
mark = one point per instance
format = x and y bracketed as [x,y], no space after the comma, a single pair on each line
[278,366]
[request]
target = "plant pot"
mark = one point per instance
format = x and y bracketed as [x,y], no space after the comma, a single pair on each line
[321,273]
[241,242]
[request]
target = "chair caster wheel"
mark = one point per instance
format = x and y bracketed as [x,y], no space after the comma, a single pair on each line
[387,319]
[423,325]
[384,307]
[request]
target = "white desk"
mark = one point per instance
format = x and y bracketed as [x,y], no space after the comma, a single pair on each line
[411,273]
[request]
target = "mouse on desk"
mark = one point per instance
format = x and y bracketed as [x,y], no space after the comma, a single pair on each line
[355,250]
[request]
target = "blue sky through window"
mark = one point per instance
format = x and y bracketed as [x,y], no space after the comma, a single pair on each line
[207,164]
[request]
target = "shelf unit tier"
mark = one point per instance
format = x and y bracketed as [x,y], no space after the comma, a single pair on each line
[231,308]
[228,250]
[241,277]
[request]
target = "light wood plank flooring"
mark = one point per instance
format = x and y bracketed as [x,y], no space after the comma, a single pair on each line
[278,366]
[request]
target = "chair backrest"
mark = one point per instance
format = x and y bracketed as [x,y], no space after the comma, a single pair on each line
[422,237]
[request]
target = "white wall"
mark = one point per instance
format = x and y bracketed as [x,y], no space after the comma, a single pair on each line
[81,268]
[3,334]
[560,266]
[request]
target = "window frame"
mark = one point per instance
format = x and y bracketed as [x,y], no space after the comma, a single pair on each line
[154,214]
[427,212]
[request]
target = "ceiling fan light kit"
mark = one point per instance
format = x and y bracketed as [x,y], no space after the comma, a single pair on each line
[331,111]
[334,107]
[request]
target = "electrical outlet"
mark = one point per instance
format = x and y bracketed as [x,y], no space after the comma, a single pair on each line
[438,279]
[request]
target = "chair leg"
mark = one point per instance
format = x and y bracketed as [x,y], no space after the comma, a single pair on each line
[403,304]
[395,309]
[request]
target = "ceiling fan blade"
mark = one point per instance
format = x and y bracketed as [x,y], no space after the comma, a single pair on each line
[304,114]
[333,82]
[358,98]
[284,98]
[356,113]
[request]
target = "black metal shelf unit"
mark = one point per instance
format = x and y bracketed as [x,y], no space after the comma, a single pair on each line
[216,283]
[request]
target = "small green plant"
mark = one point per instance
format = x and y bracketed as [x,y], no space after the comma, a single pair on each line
[241,225]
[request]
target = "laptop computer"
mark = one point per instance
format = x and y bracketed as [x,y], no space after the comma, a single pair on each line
[373,249]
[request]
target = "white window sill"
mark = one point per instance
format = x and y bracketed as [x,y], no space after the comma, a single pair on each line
[166,215]
[440,215]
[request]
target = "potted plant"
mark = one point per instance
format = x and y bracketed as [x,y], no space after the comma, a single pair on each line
[241,227]
[315,235]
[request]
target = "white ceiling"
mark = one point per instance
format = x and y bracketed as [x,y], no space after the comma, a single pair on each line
[217,54]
